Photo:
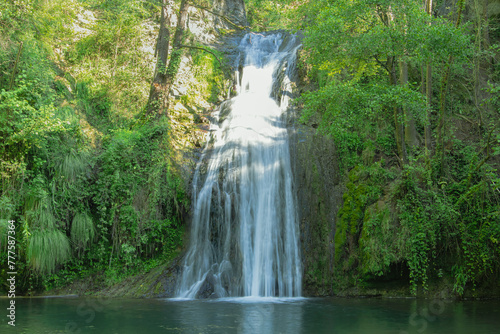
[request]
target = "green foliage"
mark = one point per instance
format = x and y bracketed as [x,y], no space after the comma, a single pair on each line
[138,197]
[453,214]
[174,62]
[27,110]
[354,50]
[73,161]
[417,218]
[47,248]
[364,34]
[13,13]
[110,61]
[7,208]
[210,73]
[363,190]
[450,228]
[424,214]
[265,15]
[382,242]
[82,230]
[71,165]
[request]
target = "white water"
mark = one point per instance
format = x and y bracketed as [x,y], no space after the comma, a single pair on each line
[244,236]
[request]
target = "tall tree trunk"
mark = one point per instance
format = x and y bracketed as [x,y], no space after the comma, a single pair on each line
[399,124]
[428,93]
[477,59]
[176,56]
[444,89]
[13,75]
[387,17]
[428,89]
[486,30]
[158,94]
[410,129]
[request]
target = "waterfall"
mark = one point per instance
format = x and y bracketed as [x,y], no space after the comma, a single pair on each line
[244,238]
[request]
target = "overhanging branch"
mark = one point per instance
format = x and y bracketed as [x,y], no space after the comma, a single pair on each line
[382,64]
[217,14]
[206,50]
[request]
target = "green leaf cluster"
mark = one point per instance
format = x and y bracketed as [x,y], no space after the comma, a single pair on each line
[435,215]
[90,186]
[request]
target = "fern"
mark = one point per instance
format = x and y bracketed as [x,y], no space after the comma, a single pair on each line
[47,249]
[82,230]
[72,165]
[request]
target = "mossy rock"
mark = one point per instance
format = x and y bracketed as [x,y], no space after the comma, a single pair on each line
[350,216]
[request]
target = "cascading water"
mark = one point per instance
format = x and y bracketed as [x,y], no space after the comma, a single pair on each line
[244,236]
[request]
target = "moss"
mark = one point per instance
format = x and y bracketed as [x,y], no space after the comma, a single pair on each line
[158,288]
[378,241]
[316,180]
[209,80]
[368,154]
[364,188]
[350,215]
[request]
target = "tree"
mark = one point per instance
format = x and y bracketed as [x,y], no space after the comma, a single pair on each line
[427,85]
[352,43]
[443,92]
[166,69]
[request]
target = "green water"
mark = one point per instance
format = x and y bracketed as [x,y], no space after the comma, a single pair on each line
[335,315]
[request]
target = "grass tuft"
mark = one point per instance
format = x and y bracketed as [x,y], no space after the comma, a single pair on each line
[47,249]
[82,230]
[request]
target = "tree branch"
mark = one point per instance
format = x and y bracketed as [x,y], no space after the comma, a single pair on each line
[222,67]
[382,64]
[202,49]
[13,76]
[217,14]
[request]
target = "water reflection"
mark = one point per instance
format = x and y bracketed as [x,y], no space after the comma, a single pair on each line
[238,315]
[247,315]
[270,317]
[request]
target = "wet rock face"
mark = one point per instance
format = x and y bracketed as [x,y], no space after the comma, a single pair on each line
[234,10]
[286,74]
[207,289]
[168,280]
[318,187]
[319,196]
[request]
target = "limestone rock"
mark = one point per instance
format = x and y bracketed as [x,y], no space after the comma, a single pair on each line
[234,10]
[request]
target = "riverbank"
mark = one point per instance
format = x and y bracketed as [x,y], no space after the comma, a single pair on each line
[160,282]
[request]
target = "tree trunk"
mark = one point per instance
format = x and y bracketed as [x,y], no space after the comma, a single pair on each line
[176,56]
[399,124]
[428,93]
[486,31]
[428,89]
[13,75]
[386,16]
[410,131]
[477,59]
[444,89]
[158,94]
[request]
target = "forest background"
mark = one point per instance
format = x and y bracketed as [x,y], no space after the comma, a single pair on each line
[95,167]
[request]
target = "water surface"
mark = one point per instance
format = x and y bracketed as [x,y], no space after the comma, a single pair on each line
[252,315]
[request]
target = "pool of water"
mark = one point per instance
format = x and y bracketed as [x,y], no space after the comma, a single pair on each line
[247,315]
